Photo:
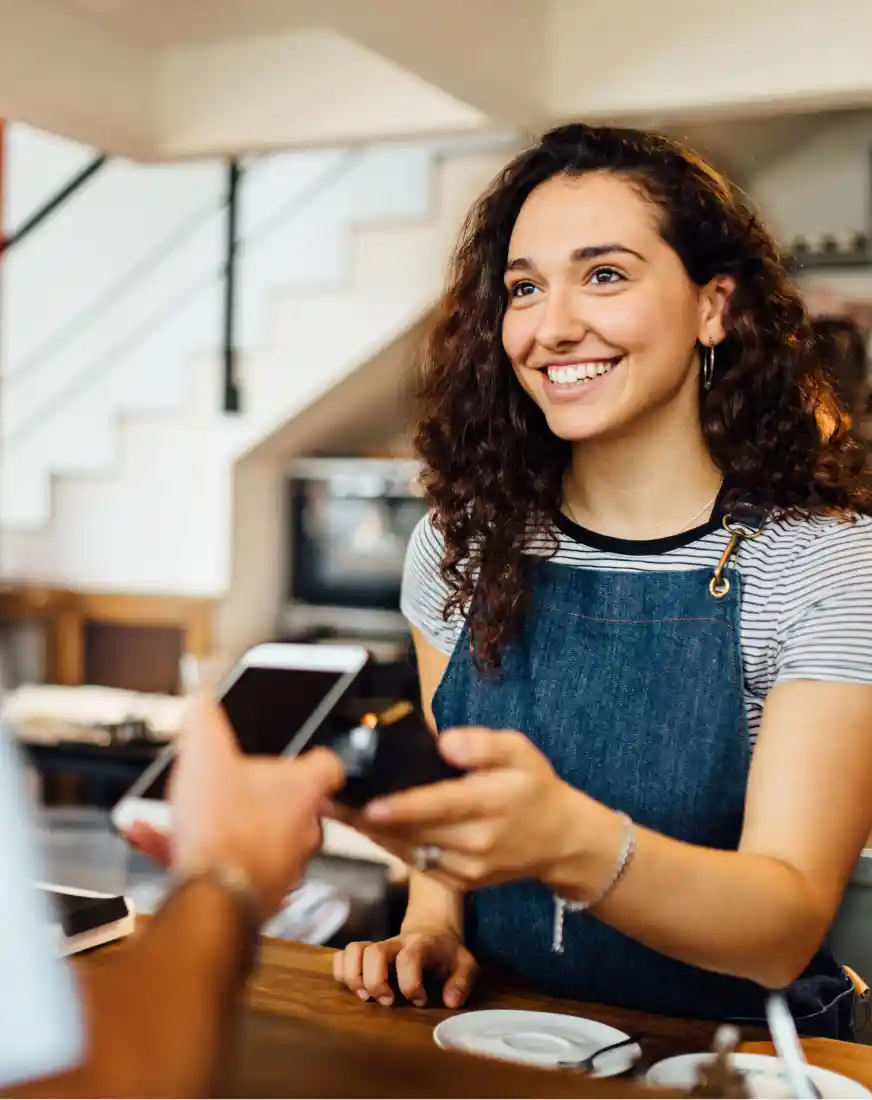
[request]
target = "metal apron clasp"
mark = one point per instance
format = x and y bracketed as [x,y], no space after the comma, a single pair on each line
[744,523]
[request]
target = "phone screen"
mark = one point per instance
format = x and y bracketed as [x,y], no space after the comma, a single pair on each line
[266,708]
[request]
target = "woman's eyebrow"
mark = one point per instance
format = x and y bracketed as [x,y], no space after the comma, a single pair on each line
[578,255]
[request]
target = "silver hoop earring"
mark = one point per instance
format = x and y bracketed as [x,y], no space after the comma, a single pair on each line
[708,366]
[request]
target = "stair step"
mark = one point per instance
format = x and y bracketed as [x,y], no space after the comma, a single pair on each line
[79,466]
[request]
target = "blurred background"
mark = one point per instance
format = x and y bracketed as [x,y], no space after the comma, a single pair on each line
[224,227]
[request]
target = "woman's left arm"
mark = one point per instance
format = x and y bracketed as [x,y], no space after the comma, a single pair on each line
[758,913]
[762,912]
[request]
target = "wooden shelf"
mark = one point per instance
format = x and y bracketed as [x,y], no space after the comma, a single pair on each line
[130,634]
[830,261]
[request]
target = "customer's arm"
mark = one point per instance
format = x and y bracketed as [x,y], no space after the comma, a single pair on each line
[157,1010]
[160,1010]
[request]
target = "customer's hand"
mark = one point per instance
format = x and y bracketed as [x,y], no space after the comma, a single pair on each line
[261,814]
[511,817]
[364,967]
[150,841]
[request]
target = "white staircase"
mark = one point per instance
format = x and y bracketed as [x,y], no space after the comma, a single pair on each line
[116,459]
[394,273]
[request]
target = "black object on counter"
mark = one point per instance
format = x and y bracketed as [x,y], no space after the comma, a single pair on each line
[78,913]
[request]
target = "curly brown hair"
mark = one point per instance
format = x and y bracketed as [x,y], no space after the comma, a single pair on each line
[493,470]
[841,343]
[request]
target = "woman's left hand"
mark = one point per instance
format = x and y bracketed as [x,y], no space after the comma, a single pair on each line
[512,817]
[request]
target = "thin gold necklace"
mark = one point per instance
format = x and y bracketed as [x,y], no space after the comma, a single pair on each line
[696,515]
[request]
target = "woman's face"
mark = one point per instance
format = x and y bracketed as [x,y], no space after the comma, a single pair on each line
[602,320]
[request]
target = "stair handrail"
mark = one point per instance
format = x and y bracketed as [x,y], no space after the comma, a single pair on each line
[83,380]
[111,296]
[52,205]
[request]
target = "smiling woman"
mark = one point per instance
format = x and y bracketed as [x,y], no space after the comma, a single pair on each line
[565,376]
[642,605]
[578,319]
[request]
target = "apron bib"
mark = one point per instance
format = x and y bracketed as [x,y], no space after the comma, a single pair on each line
[631,685]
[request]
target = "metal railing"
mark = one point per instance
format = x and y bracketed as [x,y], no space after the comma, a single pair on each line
[226,271]
[52,205]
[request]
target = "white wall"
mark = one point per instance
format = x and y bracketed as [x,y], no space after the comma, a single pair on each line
[116,461]
[824,186]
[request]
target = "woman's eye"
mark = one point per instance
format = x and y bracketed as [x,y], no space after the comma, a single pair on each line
[522,290]
[605,276]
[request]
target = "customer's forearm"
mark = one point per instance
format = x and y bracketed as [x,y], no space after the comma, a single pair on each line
[159,1011]
[432,905]
[738,913]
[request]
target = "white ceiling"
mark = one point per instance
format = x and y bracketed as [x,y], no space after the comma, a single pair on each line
[180,22]
[155,79]
[741,146]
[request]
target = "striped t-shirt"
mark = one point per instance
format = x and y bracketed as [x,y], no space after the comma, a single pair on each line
[806,609]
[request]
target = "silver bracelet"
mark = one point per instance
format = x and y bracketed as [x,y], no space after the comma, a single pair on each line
[563,905]
[234,881]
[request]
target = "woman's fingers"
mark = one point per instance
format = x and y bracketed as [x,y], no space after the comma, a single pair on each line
[349,970]
[364,968]
[475,747]
[376,961]
[461,980]
[448,802]
[411,963]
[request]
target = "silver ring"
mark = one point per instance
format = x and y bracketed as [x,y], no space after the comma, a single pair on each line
[427,857]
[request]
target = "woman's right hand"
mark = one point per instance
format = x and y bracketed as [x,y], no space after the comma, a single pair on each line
[364,967]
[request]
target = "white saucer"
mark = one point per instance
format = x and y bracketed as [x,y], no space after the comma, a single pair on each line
[767,1077]
[536,1039]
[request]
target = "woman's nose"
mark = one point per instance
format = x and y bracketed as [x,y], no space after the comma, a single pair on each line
[561,322]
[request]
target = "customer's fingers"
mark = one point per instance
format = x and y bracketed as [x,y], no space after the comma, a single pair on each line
[376,962]
[335,810]
[150,841]
[321,770]
[206,730]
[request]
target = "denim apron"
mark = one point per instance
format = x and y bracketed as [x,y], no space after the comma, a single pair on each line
[631,684]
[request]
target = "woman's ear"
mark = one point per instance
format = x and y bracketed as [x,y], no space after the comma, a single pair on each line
[714,301]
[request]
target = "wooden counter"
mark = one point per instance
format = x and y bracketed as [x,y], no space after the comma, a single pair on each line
[305,1036]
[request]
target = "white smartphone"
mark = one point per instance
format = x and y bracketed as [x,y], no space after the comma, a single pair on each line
[276,699]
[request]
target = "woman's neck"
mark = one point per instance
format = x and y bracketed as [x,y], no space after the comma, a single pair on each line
[643,485]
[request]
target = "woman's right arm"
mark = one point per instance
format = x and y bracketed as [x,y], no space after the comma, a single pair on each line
[431,905]
[431,935]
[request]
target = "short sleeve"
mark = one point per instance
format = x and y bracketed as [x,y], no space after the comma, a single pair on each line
[40,1019]
[825,628]
[424,590]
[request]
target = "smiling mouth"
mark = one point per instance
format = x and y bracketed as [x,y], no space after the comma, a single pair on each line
[570,374]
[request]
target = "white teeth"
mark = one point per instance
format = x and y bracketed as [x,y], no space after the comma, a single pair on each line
[579,372]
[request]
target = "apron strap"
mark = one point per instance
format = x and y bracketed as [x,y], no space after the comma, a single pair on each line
[746,521]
